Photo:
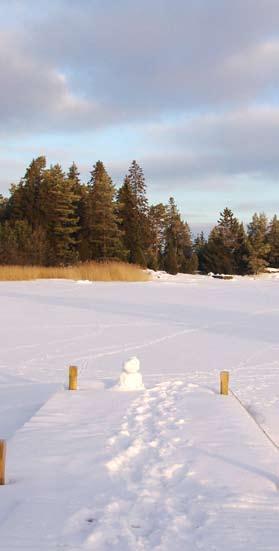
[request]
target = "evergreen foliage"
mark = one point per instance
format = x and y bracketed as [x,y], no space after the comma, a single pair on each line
[158,217]
[258,241]
[171,264]
[63,221]
[105,236]
[199,249]
[227,249]
[51,218]
[142,230]
[272,238]
[178,243]
[127,212]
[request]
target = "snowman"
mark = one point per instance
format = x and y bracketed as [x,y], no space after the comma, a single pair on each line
[131,378]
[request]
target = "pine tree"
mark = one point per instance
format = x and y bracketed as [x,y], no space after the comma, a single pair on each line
[105,236]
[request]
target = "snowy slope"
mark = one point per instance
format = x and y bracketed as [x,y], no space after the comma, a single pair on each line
[175,466]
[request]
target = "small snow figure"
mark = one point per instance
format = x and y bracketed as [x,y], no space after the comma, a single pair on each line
[131,378]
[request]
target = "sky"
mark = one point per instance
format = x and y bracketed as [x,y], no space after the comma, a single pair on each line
[188,88]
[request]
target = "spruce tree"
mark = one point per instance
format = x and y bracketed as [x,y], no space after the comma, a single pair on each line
[31,204]
[242,252]
[15,209]
[3,208]
[142,226]
[228,227]
[52,218]
[215,257]
[258,242]
[127,212]
[178,237]
[8,244]
[80,191]
[74,176]
[21,245]
[227,249]
[158,217]
[199,248]
[85,217]
[170,264]
[273,242]
[105,237]
[63,222]
[138,186]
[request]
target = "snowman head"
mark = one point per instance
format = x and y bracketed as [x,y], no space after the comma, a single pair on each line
[132,365]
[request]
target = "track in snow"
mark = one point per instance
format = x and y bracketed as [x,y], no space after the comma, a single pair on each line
[169,498]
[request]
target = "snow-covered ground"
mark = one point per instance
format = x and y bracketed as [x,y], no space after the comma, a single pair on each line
[174,466]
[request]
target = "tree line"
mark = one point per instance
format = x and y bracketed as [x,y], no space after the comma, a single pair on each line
[232,249]
[52,218]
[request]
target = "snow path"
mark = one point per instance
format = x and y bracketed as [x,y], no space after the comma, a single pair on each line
[184,468]
[195,483]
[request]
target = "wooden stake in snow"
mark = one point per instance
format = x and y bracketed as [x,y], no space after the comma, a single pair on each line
[2,461]
[73,373]
[224,382]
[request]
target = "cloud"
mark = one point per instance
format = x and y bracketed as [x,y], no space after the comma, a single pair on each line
[66,67]
[187,88]
[243,141]
[36,96]
[142,58]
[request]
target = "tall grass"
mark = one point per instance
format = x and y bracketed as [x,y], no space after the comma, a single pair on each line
[91,271]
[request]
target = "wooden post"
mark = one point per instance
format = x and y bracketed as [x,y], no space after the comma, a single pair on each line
[73,373]
[2,462]
[224,382]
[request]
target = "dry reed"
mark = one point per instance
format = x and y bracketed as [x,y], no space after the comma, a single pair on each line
[91,271]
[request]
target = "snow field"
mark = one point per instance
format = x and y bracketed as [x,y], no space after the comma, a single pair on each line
[173,466]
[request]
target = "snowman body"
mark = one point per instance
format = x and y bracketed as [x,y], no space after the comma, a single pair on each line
[131,378]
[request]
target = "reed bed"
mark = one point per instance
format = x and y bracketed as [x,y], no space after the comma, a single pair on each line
[90,271]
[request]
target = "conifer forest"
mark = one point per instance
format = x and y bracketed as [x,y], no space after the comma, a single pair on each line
[53,219]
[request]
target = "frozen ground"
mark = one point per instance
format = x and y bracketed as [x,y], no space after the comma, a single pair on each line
[176,466]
